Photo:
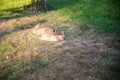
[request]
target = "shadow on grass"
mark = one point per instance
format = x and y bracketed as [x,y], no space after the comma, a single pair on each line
[17,69]
[19,12]
[14,13]
[106,18]
[115,68]
[19,28]
[110,67]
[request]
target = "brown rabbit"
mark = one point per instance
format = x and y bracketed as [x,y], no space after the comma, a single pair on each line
[48,33]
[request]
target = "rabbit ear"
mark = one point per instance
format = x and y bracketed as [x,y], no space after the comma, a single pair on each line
[37,25]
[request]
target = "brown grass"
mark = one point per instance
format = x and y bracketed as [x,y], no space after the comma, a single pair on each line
[85,55]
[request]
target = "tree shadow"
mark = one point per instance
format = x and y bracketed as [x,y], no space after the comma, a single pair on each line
[110,67]
[14,13]
[19,12]
[17,69]
[20,28]
[58,4]
[23,11]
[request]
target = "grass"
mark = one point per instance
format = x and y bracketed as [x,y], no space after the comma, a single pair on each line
[90,52]
[104,14]
[13,4]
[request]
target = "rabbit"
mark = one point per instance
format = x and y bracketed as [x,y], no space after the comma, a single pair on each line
[48,33]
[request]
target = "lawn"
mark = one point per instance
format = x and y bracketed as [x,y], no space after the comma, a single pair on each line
[90,50]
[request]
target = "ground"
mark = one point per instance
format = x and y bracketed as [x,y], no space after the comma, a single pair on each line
[86,53]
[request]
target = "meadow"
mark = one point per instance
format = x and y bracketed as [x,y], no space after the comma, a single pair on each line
[90,50]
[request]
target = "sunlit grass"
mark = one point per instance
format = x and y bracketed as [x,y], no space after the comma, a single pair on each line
[8,4]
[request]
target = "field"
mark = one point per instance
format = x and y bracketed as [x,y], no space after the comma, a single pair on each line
[90,50]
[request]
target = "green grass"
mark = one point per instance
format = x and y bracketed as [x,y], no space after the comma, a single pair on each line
[103,15]
[8,4]
[90,52]
[13,9]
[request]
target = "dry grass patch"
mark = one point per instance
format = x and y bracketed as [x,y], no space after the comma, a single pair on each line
[83,55]
[24,56]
